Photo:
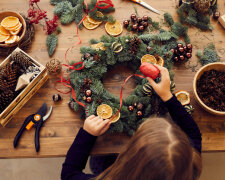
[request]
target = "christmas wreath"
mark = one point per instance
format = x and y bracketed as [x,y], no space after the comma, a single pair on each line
[86,81]
[110,51]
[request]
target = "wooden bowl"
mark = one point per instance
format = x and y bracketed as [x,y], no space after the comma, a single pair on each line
[217,66]
[22,31]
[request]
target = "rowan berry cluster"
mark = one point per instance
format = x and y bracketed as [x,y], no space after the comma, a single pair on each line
[36,14]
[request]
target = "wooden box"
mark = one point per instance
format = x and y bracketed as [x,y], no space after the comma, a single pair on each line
[26,93]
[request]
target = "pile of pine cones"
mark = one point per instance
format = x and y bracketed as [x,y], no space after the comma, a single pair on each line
[9,75]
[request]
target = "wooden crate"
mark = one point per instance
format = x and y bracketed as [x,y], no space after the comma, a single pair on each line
[26,93]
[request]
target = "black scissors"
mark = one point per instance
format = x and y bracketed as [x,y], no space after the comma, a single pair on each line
[36,120]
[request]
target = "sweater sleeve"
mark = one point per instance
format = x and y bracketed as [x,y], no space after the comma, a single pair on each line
[77,156]
[184,120]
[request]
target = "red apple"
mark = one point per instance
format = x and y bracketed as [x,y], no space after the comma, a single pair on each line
[149,70]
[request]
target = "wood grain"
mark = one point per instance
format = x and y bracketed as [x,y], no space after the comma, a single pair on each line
[59,131]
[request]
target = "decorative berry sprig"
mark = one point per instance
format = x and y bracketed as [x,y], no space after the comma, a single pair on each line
[35,13]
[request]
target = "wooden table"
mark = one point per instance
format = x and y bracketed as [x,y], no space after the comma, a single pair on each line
[59,131]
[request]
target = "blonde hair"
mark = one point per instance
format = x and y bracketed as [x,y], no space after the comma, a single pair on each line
[159,150]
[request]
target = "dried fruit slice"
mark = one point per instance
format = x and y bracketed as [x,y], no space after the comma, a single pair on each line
[16,31]
[114,29]
[3,38]
[183,97]
[15,28]
[93,21]
[160,61]
[116,118]
[148,58]
[89,25]
[11,40]
[9,21]
[99,45]
[3,31]
[104,111]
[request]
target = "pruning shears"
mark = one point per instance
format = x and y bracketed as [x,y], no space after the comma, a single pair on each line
[36,120]
[146,6]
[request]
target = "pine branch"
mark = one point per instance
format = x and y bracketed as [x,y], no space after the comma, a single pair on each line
[51,43]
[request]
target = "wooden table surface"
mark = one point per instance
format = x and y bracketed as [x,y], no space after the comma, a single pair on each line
[60,129]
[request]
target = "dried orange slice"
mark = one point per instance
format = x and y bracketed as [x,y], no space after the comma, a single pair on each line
[183,97]
[9,21]
[15,32]
[104,111]
[99,45]
[3,31]
[15,27]
[114,29]
[160,61]
[148,58]
[116,118]
[11,40]
[89,25]
[93,21]
[3,38]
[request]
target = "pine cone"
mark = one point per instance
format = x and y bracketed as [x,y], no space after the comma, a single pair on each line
[6,98]
[21,59]
[134,45]
[8,76]
[87,81]
[202,6]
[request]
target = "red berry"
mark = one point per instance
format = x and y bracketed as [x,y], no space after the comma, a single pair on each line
[141,28]
[139,113]
[145,18]
[179,45]
[172,50]
[181,49]
[145,24]
[126,23]
[189,46]
[139,20]
[135,27]
[189,55]
[182,57]
[176,58]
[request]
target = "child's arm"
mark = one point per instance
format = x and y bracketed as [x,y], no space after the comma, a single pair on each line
[181,117]
[176,110]
[79,151]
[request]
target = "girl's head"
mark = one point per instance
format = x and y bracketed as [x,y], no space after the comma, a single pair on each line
[159,150]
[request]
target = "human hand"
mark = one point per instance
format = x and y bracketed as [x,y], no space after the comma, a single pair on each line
[163,87]
[96,126]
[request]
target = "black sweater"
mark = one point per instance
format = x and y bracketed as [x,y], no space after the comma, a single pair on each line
[79,151]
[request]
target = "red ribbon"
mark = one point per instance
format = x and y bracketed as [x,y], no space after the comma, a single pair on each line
[121,92]
[63,81]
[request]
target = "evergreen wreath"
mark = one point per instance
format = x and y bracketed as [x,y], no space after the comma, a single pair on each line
[107,52]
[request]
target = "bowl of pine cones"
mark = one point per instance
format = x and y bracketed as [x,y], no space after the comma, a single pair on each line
[12,28]
[209,88]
